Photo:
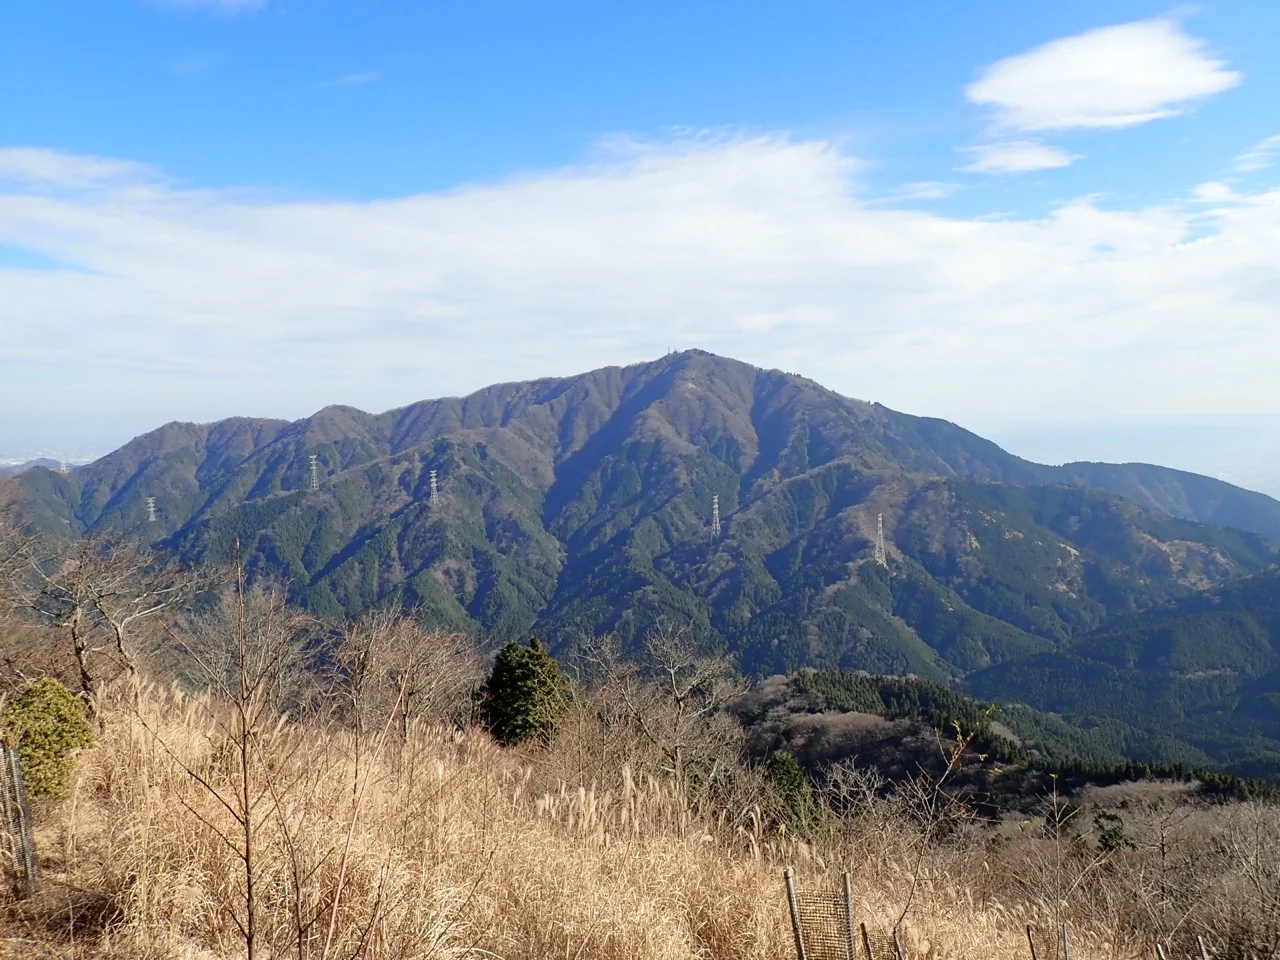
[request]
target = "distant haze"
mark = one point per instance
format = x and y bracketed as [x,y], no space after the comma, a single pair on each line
[1244,450]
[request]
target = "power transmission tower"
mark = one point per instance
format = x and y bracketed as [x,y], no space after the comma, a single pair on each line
[435,492]
[715,516]
[151,509]
[880,554]
[315,476]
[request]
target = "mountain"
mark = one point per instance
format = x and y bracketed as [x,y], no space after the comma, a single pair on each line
[16,468]
[1204,670]
[579,505]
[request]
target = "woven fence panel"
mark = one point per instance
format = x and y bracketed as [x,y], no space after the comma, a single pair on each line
[19,849]
[879,944]
[826,927]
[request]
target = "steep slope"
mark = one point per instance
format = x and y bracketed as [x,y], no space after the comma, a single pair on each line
[580,505]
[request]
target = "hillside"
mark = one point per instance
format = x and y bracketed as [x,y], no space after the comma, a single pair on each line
[1204,670]
[580,505]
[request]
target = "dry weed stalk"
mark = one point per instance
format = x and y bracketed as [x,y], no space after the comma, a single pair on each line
[399,837]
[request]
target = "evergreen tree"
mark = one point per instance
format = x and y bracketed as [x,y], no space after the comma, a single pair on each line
[791,786]
[47,724]
[524,695]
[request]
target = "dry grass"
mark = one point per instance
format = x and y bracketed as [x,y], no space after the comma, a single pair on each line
[442,845]
[434,847]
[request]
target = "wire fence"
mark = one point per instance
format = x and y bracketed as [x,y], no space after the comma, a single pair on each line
[825,928]
[17,846]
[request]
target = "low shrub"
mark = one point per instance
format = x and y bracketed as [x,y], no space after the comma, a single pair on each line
[47,724]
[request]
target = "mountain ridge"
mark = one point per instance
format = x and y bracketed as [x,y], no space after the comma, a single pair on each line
[949,445]
[580,504]
[577,506]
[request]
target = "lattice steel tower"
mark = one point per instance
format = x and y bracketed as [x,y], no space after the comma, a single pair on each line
[880,554]
[151,509]
[435,490]
[715,515]
[315,475]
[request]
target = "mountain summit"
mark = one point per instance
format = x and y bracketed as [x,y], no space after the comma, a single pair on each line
[580,505]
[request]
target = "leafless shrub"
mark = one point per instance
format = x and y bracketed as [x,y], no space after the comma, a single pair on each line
[386,659]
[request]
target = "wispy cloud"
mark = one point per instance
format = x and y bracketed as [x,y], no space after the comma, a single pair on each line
[38,166]
[1260,156]
[354,79]
[920,190]
[1107,78]
[760,248]
[1015,156]
[1217,193]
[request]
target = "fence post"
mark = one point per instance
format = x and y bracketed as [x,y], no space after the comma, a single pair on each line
[850,947]
[1204,952]
[17,811]
[866,942]
[898,952]
[795,913]
[1066,944]
[1160,952]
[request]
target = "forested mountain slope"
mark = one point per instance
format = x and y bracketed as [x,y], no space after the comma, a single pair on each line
[1204,669]
[579,505]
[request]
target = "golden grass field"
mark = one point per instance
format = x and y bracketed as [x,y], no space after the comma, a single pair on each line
[444,845]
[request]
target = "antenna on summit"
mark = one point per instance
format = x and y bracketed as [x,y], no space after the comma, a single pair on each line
[435,491]
[715,516]
[151,509]
[315,476]
[880,554]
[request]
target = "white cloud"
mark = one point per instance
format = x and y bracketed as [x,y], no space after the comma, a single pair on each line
[920,190]
[1016,156]
[1106,78]
[1260,156]
[33,165]
[194,304]
[1217,193]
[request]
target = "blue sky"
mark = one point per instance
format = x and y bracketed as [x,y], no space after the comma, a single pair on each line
[1022,217]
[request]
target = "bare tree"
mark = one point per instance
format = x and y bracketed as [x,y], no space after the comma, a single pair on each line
[27,649]
[15,544]
[385,658]
[98,590]
[249,650]
[1252,848]
[675,698]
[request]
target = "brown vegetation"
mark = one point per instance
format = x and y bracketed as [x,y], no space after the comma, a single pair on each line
[352,811]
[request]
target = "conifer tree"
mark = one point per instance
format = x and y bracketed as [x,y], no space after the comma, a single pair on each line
[524,695]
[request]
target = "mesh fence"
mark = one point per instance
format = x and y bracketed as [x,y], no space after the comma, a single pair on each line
[826,929]
[878,945]
[16,843]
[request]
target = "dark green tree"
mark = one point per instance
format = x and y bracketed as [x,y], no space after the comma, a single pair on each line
[524,696]
[791,786]
[46,722]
